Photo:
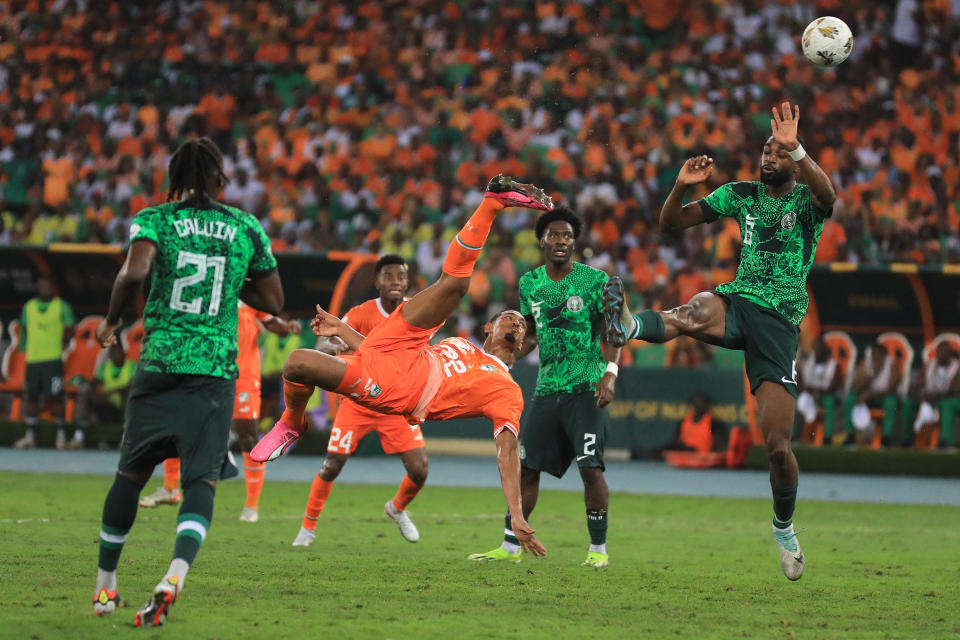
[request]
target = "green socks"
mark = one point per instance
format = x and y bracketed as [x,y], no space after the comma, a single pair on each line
[119,512]
[784,502]
[508,535]
[194,519]
[597,526]
[647,325]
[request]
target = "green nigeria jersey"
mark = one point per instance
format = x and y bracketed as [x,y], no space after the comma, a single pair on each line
[779,241]
[568,317]
[203,256]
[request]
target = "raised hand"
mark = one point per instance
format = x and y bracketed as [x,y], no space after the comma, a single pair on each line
[784,125]
[695,170]
[325,324]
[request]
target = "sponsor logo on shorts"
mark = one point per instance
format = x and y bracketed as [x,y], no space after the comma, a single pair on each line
[244,396]
[522,452]
[579,458]
[574,303]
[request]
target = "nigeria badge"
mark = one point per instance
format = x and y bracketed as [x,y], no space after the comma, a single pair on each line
[574,304]
[789,220]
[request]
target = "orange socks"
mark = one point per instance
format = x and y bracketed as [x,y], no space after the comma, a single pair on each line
[295,397]
[465,248]
[406,493]
[253,473]
[171,474]
[318,497]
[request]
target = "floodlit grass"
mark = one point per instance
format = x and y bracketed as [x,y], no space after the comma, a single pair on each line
[680,568]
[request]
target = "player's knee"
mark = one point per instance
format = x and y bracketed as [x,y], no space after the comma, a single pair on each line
[417,472]
[296,368]
[778,448]
[331,468]
[246,441]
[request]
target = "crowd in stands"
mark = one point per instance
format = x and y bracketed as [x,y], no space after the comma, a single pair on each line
[374,126]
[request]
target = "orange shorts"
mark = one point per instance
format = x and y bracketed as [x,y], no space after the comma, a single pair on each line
[393,372]
[353,422]
[246,404]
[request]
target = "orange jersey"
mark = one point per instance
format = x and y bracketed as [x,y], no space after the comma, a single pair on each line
[364,318]
[475,384]
[397,371]
[248,350]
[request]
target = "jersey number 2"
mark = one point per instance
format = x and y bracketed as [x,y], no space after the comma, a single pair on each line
[200,262]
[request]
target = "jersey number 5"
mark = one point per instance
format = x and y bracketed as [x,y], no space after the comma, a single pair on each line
[200,262]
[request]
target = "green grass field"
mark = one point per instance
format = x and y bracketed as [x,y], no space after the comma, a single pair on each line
[681,568]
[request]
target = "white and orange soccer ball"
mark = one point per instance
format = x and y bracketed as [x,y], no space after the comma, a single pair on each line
[827,41]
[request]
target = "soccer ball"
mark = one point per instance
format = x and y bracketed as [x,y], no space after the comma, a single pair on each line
[827,41]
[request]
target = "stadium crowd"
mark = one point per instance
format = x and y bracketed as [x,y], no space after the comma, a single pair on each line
[373,126]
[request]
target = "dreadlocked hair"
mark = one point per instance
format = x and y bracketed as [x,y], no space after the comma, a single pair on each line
[192,167]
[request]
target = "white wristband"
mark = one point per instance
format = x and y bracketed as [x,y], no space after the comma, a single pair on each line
[798,154]
[613,368]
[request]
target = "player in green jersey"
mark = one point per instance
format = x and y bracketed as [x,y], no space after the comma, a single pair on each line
[567,420]
[759,312]
[203,256]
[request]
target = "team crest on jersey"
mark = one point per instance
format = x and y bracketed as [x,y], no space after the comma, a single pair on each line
[488,367]
[372,389]
[574,303]
[789,220]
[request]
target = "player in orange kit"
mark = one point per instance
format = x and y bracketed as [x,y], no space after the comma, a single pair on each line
[246,411]
[395,370]
[354,422]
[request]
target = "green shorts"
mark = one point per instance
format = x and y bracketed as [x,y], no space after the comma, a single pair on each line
[43,379]
[560,428]
[768,340]
[181,416]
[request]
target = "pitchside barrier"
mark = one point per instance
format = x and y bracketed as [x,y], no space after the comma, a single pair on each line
[919,302]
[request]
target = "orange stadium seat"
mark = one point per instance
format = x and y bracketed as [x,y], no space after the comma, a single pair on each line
[132,340]
[14,370]
[80,361]
[952,338]
[897,347]
[845,351]
[929,352]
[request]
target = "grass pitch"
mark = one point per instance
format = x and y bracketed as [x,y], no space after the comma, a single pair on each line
[680,568]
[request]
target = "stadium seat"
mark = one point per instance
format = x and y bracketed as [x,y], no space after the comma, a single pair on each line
[80,361]
[845,351]
[897,346]
[948,336]
[930,438]
[14,370]
[132,340]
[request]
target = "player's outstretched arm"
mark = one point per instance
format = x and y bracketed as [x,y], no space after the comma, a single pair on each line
[676,216]
[126,287]
[784,126]
[508,460]
[264,294]
[329,325]
[282,327]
